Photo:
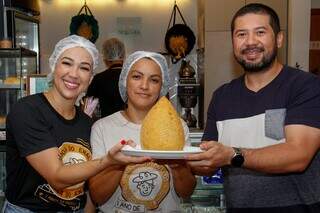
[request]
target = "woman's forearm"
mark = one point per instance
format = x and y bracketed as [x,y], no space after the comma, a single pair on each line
[103,185]
[60,176]
[184,181]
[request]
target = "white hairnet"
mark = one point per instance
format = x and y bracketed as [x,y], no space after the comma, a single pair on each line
[70,42]
[113,49]
[133,58]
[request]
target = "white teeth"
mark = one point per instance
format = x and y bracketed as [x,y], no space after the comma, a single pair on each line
[253,51]
[71,85]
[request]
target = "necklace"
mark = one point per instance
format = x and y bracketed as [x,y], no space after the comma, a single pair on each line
[133,119]
[126,115]
[61,109]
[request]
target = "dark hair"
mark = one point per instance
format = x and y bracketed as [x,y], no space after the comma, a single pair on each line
[257,8]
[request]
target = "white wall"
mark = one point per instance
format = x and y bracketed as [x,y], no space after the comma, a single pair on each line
[56,16]
[315,3]
[221,67]
[299,33]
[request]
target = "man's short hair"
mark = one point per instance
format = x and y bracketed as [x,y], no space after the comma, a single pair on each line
[257,8]
[113,49]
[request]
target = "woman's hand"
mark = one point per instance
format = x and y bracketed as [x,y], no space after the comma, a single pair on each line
[116,157]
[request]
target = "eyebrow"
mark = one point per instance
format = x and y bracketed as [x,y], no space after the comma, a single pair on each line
[153,75]
[68,58]
[257,28]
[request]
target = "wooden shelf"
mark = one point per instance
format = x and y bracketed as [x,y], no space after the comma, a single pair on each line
[10,86]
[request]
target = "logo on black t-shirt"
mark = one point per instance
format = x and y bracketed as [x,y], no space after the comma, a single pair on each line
[70,153]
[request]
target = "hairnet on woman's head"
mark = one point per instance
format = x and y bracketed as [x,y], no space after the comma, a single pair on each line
[133,58]
[70,42]
[113,49]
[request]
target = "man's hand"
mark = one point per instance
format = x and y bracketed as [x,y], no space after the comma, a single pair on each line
[215,155]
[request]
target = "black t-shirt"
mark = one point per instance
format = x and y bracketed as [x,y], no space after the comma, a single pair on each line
[33,126]
[104,86]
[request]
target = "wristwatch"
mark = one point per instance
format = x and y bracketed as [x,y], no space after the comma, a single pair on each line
[238,158]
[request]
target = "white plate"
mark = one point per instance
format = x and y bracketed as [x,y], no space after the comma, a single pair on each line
[137,151]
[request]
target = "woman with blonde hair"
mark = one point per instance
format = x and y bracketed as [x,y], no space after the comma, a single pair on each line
[48,157]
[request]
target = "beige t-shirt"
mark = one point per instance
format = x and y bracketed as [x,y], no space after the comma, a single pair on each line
[143,188]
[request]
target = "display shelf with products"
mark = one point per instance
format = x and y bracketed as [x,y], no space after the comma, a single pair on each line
[208,195]
[15,65]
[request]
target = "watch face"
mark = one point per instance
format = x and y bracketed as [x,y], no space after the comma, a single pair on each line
[237,160]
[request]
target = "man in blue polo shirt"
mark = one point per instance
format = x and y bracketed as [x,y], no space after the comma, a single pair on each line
[263,128]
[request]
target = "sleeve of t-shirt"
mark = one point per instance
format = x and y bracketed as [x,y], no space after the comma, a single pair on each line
[210,131]
[30,130]
[304,106]
[96,139]
[93,87]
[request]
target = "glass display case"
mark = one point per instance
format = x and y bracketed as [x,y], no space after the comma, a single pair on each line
[15,65]
[19,26]
[208,195]
[26,33]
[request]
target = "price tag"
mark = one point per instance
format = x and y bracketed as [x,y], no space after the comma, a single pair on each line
[2,135]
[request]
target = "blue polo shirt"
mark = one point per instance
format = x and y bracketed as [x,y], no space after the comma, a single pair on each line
[240,117]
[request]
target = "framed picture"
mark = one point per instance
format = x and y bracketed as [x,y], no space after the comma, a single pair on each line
[37,83]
